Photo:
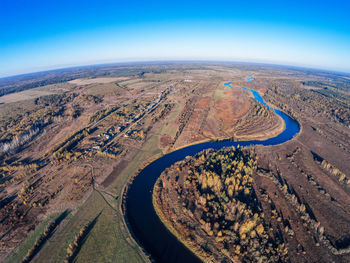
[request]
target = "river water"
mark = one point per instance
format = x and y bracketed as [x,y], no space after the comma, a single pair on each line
[142,218]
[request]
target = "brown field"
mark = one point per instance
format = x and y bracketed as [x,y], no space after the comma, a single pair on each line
[97,80]
[74,145]
[303,184]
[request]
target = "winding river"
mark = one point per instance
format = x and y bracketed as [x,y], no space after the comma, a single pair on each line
[142,218]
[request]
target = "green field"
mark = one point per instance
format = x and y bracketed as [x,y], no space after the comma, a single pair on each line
[109,240]
[18,253]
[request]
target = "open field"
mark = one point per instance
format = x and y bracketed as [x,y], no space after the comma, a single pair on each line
[97,80]
[36,93]
[75,144]
[23,95]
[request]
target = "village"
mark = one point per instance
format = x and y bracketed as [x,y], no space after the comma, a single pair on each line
[126,121]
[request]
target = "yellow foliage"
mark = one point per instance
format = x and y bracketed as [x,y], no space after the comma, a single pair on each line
[247,226]
[260,229]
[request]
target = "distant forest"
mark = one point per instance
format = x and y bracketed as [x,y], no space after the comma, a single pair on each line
[33,80]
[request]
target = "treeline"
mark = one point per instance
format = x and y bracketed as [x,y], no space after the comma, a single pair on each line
[44,237]
[74,247]
[29,81]
[35,84]
[17,171]
[71,142]
[184,118]
[305,213]
[165,109]
[261,110]
[311,179]
[34,80]
[343,85]
[342,177]
[326,103]
[344,145]
[100,114]
[335,171]
[258,119]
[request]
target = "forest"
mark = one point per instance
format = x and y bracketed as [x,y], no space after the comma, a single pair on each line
[215,189]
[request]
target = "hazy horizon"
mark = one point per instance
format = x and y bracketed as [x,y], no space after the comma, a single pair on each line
[159,62]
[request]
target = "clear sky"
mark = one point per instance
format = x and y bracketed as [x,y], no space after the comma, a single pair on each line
[47,34]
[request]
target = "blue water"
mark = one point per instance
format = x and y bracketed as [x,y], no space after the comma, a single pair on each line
[258,97]
[141,216]
[228,84]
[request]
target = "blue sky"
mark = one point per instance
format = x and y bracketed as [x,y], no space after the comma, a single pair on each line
[38,35]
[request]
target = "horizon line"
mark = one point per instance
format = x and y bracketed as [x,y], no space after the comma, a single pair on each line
[67,67]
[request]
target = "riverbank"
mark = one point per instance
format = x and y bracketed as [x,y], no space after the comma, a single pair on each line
[190,245]
[144,221]
[175,198]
